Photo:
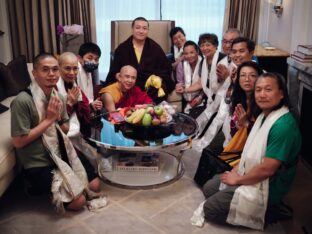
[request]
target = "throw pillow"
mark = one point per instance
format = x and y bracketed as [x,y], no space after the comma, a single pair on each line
[14,76]
[3,108]
[2,91]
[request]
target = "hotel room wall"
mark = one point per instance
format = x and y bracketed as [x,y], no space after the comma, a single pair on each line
[288,30]
[5,42]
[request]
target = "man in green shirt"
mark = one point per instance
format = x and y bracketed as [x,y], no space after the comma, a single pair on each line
[267,166]
[29,124]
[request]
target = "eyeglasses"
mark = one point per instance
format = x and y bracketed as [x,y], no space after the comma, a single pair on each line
[227,42]
[46,70]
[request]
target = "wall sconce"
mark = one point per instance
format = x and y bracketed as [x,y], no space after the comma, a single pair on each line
[278,7]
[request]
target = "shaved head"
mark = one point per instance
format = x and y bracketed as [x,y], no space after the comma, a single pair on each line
[67,57]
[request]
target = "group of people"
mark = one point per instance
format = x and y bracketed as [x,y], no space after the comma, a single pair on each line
[225,91]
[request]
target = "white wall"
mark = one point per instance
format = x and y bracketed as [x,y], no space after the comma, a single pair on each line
[290,29]
[5,43]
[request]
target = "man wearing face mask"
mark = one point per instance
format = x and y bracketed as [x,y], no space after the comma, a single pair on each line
[89,55]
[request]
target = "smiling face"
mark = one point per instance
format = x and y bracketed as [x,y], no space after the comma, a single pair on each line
[140,30]
[240,53]
[268,95]
[47,74]
[69,69]
[178,39]
[190,54]
[208,49]
[127,78]
[247,79]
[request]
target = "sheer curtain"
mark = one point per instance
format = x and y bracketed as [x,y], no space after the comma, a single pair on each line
[195,17]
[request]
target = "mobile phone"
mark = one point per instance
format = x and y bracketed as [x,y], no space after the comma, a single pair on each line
[117,117]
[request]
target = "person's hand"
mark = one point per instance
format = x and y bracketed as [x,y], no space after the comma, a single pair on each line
[196,101]
[54,109]
[72,96]
[180,59]
[97,104]
[241,114]
[179,88]
[233,74]
[230,177]
[222,72]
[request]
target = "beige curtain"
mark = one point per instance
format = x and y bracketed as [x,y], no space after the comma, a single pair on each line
[33,24]
[244,15]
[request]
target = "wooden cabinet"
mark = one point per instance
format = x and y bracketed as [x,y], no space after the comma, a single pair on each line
[272,60]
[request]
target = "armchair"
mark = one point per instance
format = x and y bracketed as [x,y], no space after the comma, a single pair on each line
[158,31]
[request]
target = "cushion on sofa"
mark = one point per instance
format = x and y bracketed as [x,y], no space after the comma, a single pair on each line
[2,92]
[7,156]
[14,77]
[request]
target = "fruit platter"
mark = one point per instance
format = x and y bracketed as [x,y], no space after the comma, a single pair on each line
[148,116]
[147,122]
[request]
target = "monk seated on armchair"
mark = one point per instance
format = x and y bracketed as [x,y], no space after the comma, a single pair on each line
[124,93]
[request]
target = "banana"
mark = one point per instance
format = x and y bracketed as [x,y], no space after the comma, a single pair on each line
[139,116]
[132,116]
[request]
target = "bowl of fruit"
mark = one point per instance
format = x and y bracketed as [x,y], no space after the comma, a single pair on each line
[147,122]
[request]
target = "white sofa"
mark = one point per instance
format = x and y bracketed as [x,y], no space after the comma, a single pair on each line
[7,155]
[8,168]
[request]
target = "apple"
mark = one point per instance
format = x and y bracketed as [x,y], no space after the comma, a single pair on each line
[147,119]
[150,110]
[155,121]
[158,110]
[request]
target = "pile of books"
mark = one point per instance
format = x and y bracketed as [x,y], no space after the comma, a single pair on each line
[140,162]
[303,54]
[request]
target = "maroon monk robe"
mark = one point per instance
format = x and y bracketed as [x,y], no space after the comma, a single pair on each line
[133,97]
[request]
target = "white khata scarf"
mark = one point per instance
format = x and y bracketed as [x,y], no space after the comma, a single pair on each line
[211,76]
[190,78]
[249,202]
[177,52]
[69,181]
[74,125]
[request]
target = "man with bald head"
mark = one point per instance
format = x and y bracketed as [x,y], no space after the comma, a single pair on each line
[79,111]
[124,93]
[77,103]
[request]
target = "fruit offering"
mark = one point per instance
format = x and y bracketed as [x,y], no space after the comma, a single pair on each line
[147,115]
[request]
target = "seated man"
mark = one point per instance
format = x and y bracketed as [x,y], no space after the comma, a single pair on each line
[267,166]
[77,103]
[148,58]
[124,93]
[78,108]
[38,123]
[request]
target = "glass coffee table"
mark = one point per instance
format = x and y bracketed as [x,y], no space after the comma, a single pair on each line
[165,144]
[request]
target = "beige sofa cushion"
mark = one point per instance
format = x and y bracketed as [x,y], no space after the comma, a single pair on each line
[7,155]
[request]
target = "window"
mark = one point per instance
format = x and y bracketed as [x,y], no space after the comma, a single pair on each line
[195,17]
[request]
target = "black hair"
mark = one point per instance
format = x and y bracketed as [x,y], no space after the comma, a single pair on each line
[250,43]
[192,43]
[239,96]
[280,80]
[175,30]
[139,19]
[89,47]
[41,56]
[208,37]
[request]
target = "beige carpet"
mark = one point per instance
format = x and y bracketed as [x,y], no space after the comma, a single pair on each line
[164,210]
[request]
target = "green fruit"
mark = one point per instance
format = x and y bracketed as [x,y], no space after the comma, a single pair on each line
[147,119]
[158,110]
